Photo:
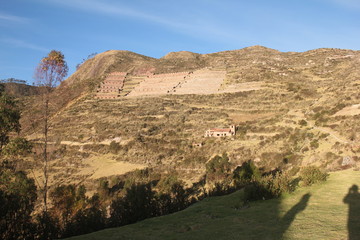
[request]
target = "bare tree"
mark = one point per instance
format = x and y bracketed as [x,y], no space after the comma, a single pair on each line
[51,70]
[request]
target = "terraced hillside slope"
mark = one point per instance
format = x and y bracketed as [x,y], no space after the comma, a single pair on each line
[291,110]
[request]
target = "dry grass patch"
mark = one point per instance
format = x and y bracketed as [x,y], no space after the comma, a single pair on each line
[105,165]
[243,87]
[244,117]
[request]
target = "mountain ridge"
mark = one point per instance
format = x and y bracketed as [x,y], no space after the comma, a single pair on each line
[127,61]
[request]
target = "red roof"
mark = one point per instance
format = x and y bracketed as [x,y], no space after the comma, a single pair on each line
[220,129]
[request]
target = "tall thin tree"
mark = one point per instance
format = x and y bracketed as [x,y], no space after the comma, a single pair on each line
[51,70]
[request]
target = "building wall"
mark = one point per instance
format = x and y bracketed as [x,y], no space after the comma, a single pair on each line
[225,132]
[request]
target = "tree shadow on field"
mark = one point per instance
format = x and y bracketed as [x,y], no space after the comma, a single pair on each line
[353,200]
[290,215]
[274,224]
[286,220]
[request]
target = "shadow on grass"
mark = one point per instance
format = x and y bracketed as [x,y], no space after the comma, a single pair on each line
[289,217]
[269,223]
[353,199]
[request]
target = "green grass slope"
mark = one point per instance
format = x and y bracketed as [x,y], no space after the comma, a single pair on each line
[316,212]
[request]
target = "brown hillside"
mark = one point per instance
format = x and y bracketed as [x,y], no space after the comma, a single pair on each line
[291,109]
[19,90]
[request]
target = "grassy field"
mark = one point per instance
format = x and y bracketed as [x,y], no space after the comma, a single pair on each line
[316,212]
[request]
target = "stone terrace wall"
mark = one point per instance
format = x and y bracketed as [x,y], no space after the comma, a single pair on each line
[107,95]
[159,84]
[112,86]
[204,81]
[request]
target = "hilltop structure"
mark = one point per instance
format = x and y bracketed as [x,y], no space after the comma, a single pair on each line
[112,86]
[221,132]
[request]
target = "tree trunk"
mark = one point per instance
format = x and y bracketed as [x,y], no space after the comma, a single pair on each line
[45,156]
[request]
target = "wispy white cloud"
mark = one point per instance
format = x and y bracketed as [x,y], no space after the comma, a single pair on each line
[194,27]
[103,7]
[353,5]
[13,18]
[349,3]
[22,44]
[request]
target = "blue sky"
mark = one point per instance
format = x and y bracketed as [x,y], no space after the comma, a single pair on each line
[29,29]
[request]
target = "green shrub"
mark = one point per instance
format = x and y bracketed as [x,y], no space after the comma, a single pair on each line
[18,146]
[114,147]
[256,191]
[310,175]
[246,173]
[303,122]
[270,186]
[17,199]
[314,144]
[279,183]
[166,184]
[218,168]
[219,189]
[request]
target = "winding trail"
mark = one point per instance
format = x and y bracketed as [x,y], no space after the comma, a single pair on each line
[333,134]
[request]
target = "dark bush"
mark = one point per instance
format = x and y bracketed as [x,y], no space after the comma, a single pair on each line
[114,147]
[221,189]
[246,173]
[310,175]
[18,146]
[270,186]
[137,204]
[314,144]
[218,168]
[17,201]
[303,122]
[256,191]
[279,183]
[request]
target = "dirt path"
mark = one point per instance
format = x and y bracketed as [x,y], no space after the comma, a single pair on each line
[333,134]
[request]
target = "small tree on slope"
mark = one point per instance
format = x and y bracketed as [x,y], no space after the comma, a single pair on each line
[51,70]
